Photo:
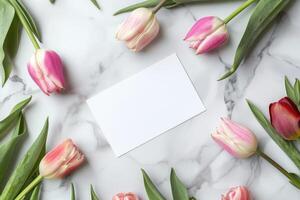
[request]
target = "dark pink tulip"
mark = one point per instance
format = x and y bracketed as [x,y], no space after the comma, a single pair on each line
[46,69]
[207,34]
[237,193]
[285,118]
[61,161]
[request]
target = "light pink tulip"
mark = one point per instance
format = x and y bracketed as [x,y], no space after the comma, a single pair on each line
[237,193]
[46,69]
[125,196]
[61,161]
[285,118]
[235,139]
[207,34]
[139,29]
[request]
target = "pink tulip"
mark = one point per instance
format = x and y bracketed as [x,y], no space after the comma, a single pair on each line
[139,29]
[285,118]
[207,34]
[61,161]
[235,139]
[126,196]
[46,69]
[237,193]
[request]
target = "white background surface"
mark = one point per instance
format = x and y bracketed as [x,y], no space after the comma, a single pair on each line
[94,61]
[146,105]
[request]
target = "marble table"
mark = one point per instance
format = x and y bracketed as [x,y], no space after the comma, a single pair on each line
[94,60]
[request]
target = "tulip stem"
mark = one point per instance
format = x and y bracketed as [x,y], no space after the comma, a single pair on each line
[36,181]
[239,10]
[294,180]
[25,24]
[158,6]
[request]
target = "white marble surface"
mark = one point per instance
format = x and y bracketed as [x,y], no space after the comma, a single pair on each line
[94,60]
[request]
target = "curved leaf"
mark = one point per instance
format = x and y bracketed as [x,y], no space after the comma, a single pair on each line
[26,166]
[179,191]
[152,191]
[7,13]
[8,150]
[36,193]
[7,123]
[264,13]
[73,197]
[93,194]
[287,146]
[95,2]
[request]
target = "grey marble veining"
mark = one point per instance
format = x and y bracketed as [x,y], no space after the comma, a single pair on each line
[94,60]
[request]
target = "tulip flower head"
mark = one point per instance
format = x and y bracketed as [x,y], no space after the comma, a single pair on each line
[237,193]
[207,34]
[125,196]
[46,69]
[61,161]
[237,140]
[139,29]
[285,118]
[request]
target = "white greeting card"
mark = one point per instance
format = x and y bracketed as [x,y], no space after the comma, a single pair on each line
[145,105]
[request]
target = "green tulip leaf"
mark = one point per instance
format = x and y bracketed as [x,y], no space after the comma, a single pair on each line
[96,4]
[36,193]
[264,13]
[8,150]
[286,146]
[152,191]
[289,89]
[297,92]
[179,191]
[8,122]
[26,167]
[27,16]
[93,194]
[73,196]
[7,15]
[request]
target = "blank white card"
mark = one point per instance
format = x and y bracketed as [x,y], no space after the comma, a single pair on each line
[146,105]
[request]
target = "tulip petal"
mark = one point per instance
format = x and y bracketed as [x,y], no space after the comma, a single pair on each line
[134,24]
[237,193]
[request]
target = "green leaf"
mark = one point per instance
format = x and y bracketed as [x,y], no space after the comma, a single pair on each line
[26,166]
[93,194]
[179,191]
[287,146]
[7,123]
[27,16]
[8,150]
[73,197]
[289,89]
[152,191]
[265,12]
[95,2]
[52,1]
[36,193]
[297,92]
[7,13]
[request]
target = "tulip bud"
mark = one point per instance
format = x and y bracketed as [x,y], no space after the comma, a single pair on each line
[285,118]
[126,196]
[61,161]
[207,34]
[237,193]
[139,29]
[237,140]
[46,69]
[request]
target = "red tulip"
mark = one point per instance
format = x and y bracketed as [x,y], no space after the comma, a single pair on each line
[285,118]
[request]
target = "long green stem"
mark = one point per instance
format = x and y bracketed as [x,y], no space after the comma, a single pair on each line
[36,181]
[272,162]
[25,24]
[159,5]
[239,10]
